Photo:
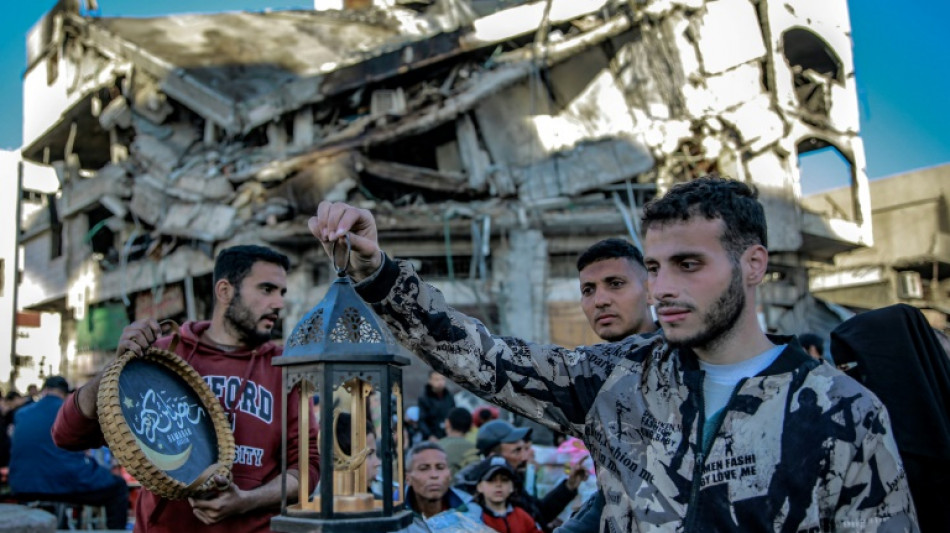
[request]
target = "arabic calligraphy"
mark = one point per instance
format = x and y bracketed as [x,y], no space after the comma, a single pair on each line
[158,416]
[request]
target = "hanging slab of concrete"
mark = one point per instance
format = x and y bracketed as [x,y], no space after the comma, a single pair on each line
[587,167]
[206,222]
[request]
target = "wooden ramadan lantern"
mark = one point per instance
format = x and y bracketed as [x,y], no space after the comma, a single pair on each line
[342,347]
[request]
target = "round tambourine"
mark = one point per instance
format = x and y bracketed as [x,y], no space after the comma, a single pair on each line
[164,425]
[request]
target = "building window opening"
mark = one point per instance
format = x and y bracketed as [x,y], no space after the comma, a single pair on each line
[814,65]
[101,238]
[414,168]
[826,179]
[55,227]
[417,151]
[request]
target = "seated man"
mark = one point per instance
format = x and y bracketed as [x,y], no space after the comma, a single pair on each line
[41,471]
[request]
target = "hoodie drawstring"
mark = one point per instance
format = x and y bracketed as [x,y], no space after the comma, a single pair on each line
[232,410]
[157,511]
[191,354]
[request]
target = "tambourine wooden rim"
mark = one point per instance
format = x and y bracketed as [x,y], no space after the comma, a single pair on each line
[123,443]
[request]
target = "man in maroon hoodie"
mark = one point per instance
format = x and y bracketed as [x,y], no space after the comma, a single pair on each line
[234,348]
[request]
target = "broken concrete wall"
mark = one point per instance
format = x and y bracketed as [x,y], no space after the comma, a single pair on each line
[814,83]
[820,42]
[568,134]
[110,183]
[710,89]
[45,279]
[728,35]
[695,82]
[88,284]
[771,170]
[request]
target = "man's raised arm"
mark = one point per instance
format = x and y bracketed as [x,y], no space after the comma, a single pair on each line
[547,383]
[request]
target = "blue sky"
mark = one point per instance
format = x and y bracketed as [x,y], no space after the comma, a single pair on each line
[902,61]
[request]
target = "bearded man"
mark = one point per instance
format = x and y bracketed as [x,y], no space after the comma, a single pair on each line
[710,426]
[233,353]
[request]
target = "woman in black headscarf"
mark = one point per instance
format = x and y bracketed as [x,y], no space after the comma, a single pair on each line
[899,357]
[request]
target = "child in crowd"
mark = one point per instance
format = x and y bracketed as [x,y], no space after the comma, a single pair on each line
[495,486]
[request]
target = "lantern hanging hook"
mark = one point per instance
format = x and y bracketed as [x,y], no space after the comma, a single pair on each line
[341,270]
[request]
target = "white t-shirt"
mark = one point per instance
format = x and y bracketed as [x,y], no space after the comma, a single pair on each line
[721,380]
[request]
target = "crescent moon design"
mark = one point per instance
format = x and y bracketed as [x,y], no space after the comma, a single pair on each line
[163,460]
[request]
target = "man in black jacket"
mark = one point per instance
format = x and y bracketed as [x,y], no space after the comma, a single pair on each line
[434,406]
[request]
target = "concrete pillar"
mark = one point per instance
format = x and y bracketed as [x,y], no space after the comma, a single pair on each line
[522,286]
[9,257]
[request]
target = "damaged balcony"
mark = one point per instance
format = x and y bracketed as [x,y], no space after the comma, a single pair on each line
[834,223]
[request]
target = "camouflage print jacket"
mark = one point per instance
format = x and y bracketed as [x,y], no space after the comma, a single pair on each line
[802,447]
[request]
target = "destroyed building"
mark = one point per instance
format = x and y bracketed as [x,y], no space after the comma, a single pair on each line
[494,141]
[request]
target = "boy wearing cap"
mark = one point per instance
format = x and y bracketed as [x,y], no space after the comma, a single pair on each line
[499,438]
[496,484]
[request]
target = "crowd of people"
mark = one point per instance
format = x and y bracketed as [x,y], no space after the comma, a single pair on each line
[491,486]
[693,416]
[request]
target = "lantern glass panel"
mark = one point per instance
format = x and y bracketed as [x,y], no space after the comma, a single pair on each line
[399,440]
[359,469]
[355,456]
